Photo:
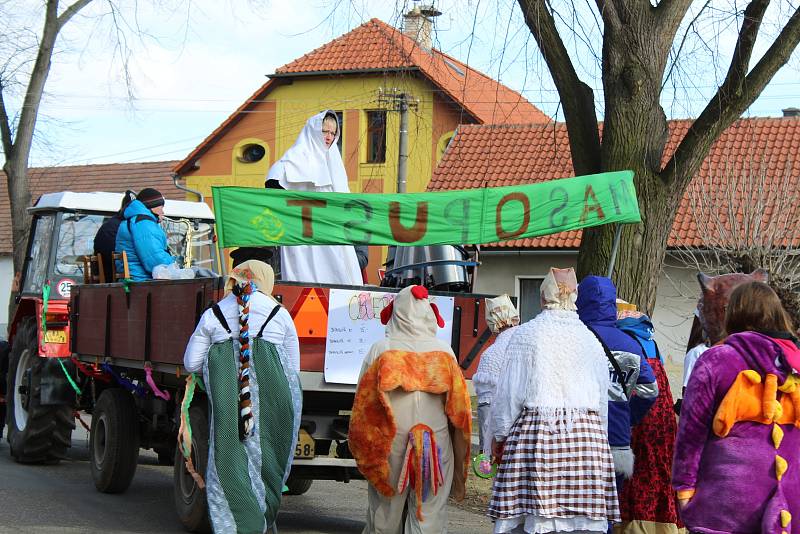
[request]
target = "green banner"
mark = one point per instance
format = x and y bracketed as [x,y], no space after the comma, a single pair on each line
[258,217]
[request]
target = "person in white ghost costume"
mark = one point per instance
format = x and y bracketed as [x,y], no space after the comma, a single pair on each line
[405,365]
[314,163]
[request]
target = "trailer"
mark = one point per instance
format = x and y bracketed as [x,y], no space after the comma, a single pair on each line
[114,350]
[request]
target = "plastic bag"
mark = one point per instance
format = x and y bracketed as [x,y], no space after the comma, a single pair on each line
[171,272]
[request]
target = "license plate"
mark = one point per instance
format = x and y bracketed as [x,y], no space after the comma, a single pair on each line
[305,445]
[55,336]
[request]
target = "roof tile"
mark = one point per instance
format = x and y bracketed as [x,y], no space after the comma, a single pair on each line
[115,177]
[520,154]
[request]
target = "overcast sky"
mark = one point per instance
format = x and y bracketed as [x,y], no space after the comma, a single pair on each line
[202,60]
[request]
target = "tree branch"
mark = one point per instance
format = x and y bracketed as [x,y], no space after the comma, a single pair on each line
[576,96]
[735,94]
[5,126]
[71,11]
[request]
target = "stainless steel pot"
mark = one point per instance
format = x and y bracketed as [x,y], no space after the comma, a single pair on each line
[441,271]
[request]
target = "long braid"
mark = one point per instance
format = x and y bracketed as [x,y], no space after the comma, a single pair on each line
[243,293]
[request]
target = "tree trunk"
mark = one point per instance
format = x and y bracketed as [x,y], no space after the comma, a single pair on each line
[642,247]
[635,133]
[20,198]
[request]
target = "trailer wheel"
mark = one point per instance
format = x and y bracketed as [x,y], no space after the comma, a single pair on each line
[5,349]
[190,500]
[36,433]
[114,441]
[297,486]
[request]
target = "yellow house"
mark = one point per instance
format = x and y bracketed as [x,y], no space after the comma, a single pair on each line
[362,76]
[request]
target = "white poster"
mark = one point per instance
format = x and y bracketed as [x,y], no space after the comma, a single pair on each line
[354,324]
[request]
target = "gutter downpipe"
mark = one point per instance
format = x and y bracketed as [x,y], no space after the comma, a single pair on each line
[176,177]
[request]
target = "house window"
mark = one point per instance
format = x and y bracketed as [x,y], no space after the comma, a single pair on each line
[376,136]
[528,297]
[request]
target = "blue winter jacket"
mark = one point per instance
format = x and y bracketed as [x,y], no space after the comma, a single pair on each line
[148,245]
[597,308]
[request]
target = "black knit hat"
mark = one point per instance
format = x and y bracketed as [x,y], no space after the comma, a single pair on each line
[150,197]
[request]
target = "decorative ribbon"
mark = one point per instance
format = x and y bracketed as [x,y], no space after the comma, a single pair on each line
[69,378]
[185,430]
[148,373]
[83,423]
[124,382]
[45,301]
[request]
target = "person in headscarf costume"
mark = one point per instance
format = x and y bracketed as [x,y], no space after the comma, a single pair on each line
[314,163]
[411,424]
[502,319]
[556,471]
[647,501]
[247,349]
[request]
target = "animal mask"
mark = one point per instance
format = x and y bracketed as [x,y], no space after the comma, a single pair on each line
[716,291]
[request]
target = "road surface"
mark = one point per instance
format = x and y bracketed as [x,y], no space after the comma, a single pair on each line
[62,499]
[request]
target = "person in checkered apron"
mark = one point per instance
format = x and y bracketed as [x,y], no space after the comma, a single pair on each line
[556,471]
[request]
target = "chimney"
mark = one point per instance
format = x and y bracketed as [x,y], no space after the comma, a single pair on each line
[418,25]
[791,112]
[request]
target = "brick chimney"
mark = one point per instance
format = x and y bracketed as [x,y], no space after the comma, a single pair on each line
[791,112]
[418,25]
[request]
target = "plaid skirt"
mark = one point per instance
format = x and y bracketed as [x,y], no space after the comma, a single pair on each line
[554,472]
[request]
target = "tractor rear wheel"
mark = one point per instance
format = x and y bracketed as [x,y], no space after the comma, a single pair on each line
[37,433]
[114,441]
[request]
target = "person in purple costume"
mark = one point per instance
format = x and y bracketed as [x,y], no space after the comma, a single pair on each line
[737,456]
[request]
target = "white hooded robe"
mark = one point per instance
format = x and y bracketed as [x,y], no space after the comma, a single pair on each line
[309,165]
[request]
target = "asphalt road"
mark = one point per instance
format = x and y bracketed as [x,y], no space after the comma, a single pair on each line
[62,499]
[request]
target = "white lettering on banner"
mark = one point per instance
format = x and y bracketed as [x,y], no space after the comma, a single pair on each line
[354,324]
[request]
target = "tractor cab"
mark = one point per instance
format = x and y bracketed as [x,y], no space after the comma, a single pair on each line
[62,240]
[63,229]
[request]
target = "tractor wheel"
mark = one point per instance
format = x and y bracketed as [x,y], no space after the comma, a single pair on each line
[37,433]
[114,441]
[297,486]
[190,500]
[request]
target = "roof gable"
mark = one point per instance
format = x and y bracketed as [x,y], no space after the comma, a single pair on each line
[85,178]
[499,155]
[378,47]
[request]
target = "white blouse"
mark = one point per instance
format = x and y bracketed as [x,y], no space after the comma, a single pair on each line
[280,331]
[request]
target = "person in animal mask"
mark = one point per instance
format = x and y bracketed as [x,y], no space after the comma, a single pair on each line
[314,163]
[412,421]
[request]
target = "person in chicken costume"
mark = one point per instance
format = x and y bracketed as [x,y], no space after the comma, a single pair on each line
[411,424]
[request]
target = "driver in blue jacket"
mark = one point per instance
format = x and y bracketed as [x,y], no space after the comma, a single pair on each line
[141,237]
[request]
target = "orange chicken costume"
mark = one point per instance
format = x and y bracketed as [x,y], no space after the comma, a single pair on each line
[411,424]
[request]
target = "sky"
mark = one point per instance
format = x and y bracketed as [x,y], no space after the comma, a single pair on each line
[195,61]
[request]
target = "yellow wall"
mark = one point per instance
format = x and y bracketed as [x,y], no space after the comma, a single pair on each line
[277,121]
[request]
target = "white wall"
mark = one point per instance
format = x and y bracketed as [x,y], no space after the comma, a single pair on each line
[6,277]
[676,295]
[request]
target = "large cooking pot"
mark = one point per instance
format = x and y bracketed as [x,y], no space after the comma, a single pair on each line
[434,266]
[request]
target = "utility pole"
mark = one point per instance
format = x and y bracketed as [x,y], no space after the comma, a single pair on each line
[395,100]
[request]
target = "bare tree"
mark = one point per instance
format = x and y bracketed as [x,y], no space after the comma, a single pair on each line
[17,130]
[640,45]
[747,216]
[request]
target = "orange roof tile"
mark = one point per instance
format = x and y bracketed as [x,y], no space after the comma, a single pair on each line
[498,155]
[84,178]
[377,47]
